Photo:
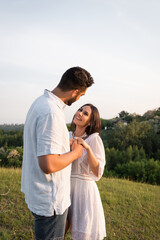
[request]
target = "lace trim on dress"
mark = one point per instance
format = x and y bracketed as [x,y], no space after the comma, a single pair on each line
[84,136]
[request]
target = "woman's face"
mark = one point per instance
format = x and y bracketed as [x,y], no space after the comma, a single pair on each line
[82,116]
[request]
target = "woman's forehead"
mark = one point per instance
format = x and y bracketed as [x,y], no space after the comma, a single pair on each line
[87,108]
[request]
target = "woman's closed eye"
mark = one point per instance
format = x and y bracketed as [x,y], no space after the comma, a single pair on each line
[86,113]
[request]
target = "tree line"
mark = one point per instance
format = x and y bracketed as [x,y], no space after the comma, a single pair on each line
[132,146]
[131,141]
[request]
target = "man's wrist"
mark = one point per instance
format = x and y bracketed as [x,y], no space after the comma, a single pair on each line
[74,155]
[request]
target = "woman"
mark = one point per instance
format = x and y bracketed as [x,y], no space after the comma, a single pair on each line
[86,216]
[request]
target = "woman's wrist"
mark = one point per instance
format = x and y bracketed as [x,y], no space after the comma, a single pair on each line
[88,148]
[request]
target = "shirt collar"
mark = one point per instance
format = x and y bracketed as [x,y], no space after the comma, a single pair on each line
[59,102]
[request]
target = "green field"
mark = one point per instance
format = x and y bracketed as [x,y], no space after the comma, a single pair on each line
[132,210]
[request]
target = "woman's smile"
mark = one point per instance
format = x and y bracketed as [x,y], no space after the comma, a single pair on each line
[83,115]
[78,118]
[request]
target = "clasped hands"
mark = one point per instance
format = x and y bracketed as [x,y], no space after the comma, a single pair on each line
[78,141]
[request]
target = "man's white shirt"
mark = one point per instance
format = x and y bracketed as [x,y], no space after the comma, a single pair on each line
[45,132]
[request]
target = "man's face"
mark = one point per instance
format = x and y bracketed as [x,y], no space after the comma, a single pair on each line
[76,97]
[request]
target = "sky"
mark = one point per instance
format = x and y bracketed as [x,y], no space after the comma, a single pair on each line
[117,41]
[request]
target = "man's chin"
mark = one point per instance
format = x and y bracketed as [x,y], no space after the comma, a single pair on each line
[71,100]
[69,104]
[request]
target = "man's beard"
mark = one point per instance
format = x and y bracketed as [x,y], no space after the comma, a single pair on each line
[70,101]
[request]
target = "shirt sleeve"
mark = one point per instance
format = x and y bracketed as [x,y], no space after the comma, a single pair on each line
[49,135]
[97,147]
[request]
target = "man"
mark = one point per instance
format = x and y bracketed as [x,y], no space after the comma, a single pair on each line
[47,157]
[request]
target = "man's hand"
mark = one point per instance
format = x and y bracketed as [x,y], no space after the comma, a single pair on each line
[54,162]
[77,148]
[71,142]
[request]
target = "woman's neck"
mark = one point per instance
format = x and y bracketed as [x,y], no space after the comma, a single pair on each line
[79,132]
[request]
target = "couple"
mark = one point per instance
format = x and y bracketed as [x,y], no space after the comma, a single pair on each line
[47,182]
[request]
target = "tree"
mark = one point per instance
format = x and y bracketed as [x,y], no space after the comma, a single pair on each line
[140,134]
[123,114]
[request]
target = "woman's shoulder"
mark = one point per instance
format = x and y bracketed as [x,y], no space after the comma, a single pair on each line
[94,136]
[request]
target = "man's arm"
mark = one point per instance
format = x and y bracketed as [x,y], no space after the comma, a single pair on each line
[54,162]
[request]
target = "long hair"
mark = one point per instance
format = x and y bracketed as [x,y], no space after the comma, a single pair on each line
[95,121]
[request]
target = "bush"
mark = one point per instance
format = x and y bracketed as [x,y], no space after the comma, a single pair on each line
[12,157]
[141,171]
[115,156]
[152,169]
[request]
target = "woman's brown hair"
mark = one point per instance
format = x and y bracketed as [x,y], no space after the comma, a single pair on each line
[95,121]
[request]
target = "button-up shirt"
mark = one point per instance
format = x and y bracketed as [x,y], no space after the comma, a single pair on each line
[45,132]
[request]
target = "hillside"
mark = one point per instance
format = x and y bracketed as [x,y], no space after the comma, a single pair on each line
[11,127]
[151,116]
[131,209]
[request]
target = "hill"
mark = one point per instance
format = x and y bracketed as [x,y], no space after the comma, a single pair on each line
[151,116]
[125,117]
[11,127]
[131,209]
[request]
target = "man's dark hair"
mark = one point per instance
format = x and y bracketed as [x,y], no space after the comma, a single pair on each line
[75,78]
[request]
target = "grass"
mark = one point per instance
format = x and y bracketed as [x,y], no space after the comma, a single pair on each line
[132,210]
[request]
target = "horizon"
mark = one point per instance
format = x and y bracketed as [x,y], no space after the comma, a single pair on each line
[155,109]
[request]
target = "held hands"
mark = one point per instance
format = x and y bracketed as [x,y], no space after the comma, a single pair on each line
[76,147]
[79,141]
[83,143]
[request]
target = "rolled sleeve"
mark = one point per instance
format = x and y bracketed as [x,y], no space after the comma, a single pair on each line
[48,138]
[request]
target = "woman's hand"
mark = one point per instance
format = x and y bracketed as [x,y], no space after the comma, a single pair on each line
[83,143]
[93,162]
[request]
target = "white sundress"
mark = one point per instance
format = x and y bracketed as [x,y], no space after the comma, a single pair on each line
[86,212]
